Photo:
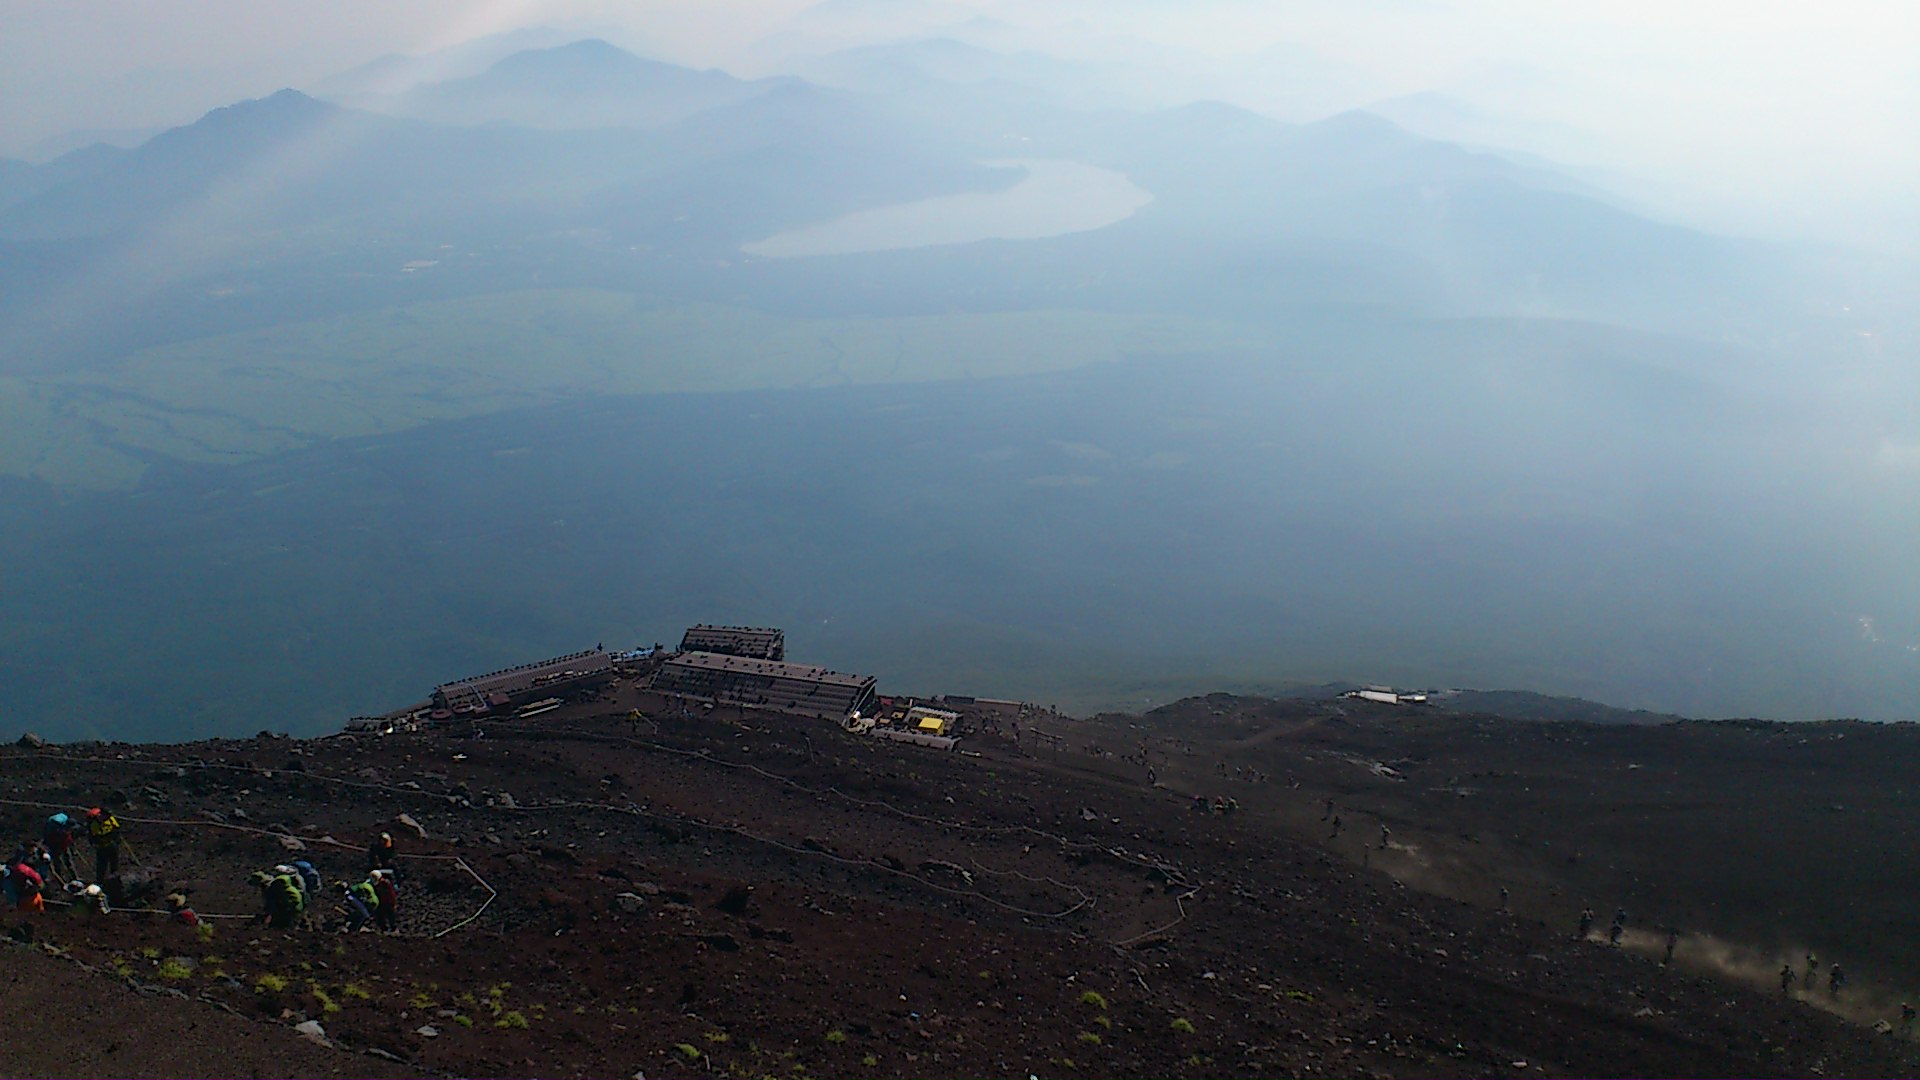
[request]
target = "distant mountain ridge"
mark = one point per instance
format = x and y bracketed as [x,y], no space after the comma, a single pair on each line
[584,84]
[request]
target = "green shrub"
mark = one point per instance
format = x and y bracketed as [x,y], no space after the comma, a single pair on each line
[1103,1022]
[463,1020]
[514,1019]
[149,953]
[688,1051]
[1089,1038]
[1093,998]
[1183,1025]
[269,983]
[870,1061]
[355,990]
[718,1037]
[836,1036]
[174,969]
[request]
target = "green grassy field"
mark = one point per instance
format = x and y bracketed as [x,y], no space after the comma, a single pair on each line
[243,396]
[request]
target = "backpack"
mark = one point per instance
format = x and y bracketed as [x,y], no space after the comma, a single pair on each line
[309,877]
[23,880]
[284,894]
[364,893]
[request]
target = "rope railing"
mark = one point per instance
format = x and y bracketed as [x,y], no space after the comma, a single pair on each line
[205,823]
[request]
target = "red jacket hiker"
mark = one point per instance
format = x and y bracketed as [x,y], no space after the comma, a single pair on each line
[389,897]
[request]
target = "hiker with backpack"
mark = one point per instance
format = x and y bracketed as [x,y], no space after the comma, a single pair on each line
[58,836]
[23,887]
[182,913]
[387,915]
[380,852]
[360,901]
[281,896]
[104,828]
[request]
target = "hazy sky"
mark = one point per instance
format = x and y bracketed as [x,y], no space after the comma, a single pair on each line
[1790,114]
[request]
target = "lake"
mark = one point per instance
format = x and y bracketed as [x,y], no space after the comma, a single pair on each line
[1055,198]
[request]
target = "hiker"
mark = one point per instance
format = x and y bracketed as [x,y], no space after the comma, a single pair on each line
[309,877]
[1813,970]
[182,914]
[387,915]
[1673,939]
[281,897]
[23,886]
[1503,897]
[1613,934]
[309,906]
[1906,1017]
[310,885]
[104,828]
[1328,812]
[1336,827]
[1385,833]
[58,837]
[1786,978]
[1620,916]
[34,854]
[1836,981]
[380,852]
[1586,924]
[360,901]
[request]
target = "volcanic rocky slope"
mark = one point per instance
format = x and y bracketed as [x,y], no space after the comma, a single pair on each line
[757,895]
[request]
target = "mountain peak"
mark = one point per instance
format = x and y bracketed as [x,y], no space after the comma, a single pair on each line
[282,107]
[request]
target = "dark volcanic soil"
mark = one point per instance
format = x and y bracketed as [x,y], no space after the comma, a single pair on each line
[806,902]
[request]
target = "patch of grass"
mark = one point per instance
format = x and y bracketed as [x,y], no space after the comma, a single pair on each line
[269,983]
[1297,995]
[718,1037]
[1089,1038]
[514,1019]
[149,953]
[355,990]
[463,1020]
[688,1051]
[1093,998]
[1103,1022]
[1197,1061]
[204,931]
[175,970]
[836,1036]
[1182,1025]
[422,1001]
[327,1004]
[870,1061]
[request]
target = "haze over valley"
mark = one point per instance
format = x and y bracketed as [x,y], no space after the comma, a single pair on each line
[983,353]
